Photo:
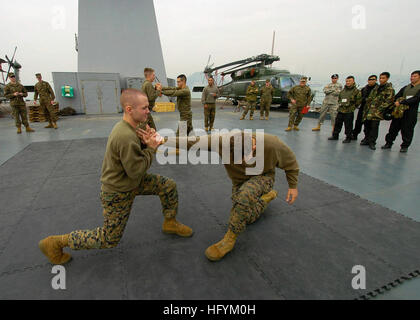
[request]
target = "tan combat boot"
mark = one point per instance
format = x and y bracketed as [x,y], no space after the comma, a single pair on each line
[261,118]
[50,125]
[242,118]
[288,129]
[266,118]
[206,128]
[171,226]
[317,128]
[52,248]
[251,118]
[29,129]
[19,130]
[211,129]
[268,197]
[218,250]
[55,125]
[296,128]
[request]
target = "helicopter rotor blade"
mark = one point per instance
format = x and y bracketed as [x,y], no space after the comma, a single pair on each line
[10,63]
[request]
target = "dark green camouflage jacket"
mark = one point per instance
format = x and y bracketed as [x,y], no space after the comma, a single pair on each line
[252,93]
[349,99]
[380,99]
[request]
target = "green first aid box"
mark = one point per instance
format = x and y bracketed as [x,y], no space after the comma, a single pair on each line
[67,91]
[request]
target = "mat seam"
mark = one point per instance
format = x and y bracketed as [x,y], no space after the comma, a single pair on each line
[394,268]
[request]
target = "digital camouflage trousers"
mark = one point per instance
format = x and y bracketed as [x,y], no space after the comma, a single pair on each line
[247,204]
[116,211]
[48,110]
[21,116]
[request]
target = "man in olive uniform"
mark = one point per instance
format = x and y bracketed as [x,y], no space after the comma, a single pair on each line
[15,92]
[46,100]
[267,93]
[380,99]
[208,99]
[251,99]
[349,100]
[251,191]
[330,103]
[408,99]
[183,101]
[124,176]
[366,90]
[152,93]
[300,96]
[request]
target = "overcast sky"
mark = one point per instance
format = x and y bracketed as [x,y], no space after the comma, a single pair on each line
[314,37]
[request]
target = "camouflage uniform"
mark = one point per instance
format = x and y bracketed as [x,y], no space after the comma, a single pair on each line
[117,207]
[266,99]
[247,204]
[208,99]
[152,94]
[380,99]
[17,103]
[183,104]
[251,97]
[349,100]
[330,103]
[303,98]
[46,95]
[409,99]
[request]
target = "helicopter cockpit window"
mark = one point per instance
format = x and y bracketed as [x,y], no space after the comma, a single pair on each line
[275,82]
[286,82]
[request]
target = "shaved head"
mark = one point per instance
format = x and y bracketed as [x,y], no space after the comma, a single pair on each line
[135,105]
[131,97]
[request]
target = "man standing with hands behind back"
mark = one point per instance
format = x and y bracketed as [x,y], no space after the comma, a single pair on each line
[46,100]
[208,99]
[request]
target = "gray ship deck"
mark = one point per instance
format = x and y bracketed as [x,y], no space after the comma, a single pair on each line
[304,251]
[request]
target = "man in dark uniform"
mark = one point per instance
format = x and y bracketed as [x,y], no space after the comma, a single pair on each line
[380,99]
[407,100]
[372,84]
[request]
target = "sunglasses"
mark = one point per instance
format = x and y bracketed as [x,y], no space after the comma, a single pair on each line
[371,79]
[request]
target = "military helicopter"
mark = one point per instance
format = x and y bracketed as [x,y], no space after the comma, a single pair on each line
[257,68]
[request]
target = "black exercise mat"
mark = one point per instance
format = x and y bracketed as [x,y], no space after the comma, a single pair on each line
[303,251]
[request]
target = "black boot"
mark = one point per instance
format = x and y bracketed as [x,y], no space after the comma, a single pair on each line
[386,146]
[404,150]
[372,146]
[333,138]
[347,140]
[364,142]
[353,137]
